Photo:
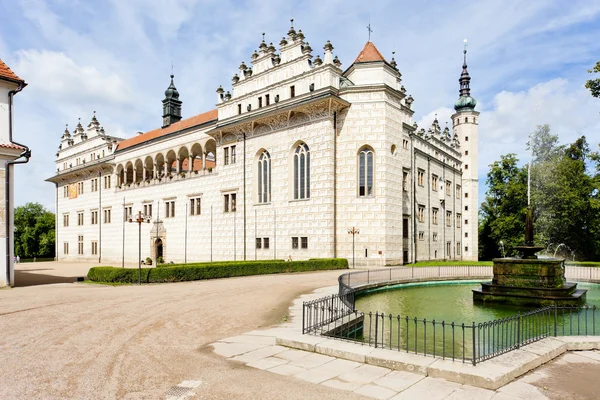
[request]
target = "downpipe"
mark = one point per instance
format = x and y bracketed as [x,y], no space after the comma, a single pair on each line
[23,158]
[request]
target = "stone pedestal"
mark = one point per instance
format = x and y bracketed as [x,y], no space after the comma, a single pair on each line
[529,282]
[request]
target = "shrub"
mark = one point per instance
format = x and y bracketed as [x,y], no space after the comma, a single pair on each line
[198,271]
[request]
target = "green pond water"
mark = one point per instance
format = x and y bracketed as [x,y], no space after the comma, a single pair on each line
[413,314]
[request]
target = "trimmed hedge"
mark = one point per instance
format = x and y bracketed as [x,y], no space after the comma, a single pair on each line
[219,263]
[198,271]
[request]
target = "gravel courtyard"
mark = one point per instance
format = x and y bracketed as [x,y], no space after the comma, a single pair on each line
[86,341]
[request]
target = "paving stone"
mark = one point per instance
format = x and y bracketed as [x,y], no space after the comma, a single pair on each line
[471,393]
[266,340]
[364,374]
[575,358]
[399,380]
[375,391]
[235,349]
[266,363]
[327,371]
[260,353]
[504,396]
[293,355]
[312,361]
[522,390]
[286,369]
[429,389]
[342,385]
[593,355]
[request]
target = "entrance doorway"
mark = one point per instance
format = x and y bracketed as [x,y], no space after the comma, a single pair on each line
[158,249]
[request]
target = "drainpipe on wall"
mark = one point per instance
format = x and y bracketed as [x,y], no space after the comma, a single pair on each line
[26,154]
[334,184]
[244,193]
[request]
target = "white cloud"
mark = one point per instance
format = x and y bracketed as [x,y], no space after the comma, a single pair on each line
[55,76]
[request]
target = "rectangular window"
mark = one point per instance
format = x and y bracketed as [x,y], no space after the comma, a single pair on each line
[265,243]
[94,247]
[448,218]
[65,219]
[466,234]
[304,242]
[239,109]
[79,218]
[405,144]
[292,91]
[80,245]
[434,182]
[466,208]
[405,228]
[170,209]
[458,189]
[148,210]
[466,222]
[405,181]
[94,185]
[434,237]
[448,248]
[107,182]
[466,152]
[66,191]
[421,235]
[66,248]
[259,102]
[458,248]
[233,154]
[258,243]
[107,216]
[448,188]
[267,99]
[229,201]
[127,213]
[458,220]
[420,177]
[421,213]
[294,242]
[466,138]
[195,206]
[434,216]
[80,187]
[466,166]
[466,195]
[226,155]
[94,217]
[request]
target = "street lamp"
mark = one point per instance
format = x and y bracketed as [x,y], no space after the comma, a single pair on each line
[353,231]
[139,219]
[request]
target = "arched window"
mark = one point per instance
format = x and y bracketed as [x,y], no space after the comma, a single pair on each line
[264,177]
[365,172]
[302,172]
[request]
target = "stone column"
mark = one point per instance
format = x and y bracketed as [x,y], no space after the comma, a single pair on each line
[155,171]
[191,165]
[178,166]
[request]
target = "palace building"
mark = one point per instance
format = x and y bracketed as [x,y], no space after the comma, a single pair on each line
[294,156]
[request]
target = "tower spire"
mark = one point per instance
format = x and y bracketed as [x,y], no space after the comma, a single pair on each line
[465,101]
[171,105]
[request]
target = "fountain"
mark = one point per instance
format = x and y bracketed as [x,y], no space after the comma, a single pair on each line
[529,281]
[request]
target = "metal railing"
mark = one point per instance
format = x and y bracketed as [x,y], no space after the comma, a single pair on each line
[335,316]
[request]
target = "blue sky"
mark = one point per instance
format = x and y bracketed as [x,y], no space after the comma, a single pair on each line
[527,59]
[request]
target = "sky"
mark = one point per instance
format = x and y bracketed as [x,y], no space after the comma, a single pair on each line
[528,61]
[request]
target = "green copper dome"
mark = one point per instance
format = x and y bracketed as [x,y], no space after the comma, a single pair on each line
[171,92]
[465,103]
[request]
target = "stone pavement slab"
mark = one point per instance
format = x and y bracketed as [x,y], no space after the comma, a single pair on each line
[399,380]
[266,340]
[522,390]
[327,371]
[287,369]
[429,389]
[364,374]
[312,361]
[292,355]
[336,383]
[375,391]
[471,393]
[594,355]
[259,353]
[266,363]
[235,349]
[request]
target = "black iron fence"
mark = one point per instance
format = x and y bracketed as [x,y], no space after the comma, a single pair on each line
[335,316]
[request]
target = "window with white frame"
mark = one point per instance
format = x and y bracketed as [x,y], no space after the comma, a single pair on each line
[264,177]
[107,180]
[304,242]
[434,237]
[65,220]
[229,155]
[434,182]
[94,217]
[94,247]
[448,218]
[448,188]
[80,187]
[80,244]
[421,213]
[170,209]
[94,184]
[195,206]
[448,249]
[295,242]
[79,218]
[265,243]
[458,248]
[421,235]
[458,220]
[259,243]
[65,247]
[148,210]
[434,216]
[225,155]
[229,202]
[107,215]
[365,172]
[66,191]
[458,189]
[420,177]
[302,172]
[405,181]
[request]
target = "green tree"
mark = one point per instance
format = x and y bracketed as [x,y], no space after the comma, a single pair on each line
[594,84]
[34,231]
[503,211]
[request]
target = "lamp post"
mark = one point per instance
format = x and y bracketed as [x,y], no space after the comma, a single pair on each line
[139,219]
[353,231]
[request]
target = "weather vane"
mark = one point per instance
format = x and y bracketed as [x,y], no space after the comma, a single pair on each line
[369,30]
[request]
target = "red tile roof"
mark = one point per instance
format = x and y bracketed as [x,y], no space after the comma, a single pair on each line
[177,126]
[369,53]
[11,146]
[6,73]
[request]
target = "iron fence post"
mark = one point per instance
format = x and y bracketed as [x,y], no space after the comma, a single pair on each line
[376,327]
[518,330]
[474,344]
[368,277]
[555,318]
[303,316]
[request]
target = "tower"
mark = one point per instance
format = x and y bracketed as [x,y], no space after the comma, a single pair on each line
[465,123]
[171,105]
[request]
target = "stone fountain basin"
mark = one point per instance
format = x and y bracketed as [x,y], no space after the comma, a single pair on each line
[529,273]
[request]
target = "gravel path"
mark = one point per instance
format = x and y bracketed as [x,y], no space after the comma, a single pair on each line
[85,341]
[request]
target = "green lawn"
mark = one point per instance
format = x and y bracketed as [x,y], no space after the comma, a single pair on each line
[583,263]
[447,263]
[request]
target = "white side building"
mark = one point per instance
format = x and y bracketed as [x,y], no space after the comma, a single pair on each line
[294,156]
[11,153]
